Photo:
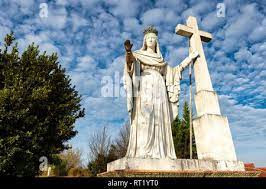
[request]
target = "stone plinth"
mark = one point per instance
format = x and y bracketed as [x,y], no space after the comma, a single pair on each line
[213,138]
[204,99]
[168,174]
[174,165]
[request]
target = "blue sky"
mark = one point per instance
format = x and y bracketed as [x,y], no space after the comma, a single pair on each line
[88,36]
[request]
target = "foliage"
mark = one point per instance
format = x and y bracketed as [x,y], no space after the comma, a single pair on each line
[70,159]
[104,151]
[78,171]
[118,148]
[38,108]
[180,131]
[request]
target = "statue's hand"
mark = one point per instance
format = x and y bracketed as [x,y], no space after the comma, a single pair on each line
[128,45]
[194,55]
[129,55]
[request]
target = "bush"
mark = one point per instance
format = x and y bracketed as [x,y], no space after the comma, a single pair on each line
[54,171]
[77,172]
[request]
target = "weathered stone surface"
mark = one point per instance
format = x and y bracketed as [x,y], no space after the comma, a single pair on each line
[162,174]
[213,138]
[207,103]
[174,165]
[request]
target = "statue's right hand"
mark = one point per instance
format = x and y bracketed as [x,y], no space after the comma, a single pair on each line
[128,45]
[194,55]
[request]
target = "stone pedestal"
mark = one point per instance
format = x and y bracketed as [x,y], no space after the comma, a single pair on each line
[139,164]
[211,129]
[213,138]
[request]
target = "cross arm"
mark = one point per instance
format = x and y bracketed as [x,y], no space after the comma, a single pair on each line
[188,31]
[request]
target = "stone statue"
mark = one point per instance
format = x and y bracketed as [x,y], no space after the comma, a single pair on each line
[152,88]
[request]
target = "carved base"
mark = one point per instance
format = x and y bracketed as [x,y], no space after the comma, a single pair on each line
[168,174]
[174,165]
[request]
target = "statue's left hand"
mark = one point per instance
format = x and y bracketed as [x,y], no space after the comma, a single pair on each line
[194,55]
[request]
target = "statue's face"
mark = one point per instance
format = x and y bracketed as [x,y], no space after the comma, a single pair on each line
[151,40]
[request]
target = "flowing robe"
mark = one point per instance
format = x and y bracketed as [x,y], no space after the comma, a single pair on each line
[152,88]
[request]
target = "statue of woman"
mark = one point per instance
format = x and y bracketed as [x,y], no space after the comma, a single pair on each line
[152,88]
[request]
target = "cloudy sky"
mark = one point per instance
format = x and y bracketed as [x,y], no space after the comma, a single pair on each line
[88,36]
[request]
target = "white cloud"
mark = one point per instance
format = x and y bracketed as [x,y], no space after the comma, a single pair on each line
[45,44]
[157,16]
[248,128]
[3,31]
[175,5]
[170,38]
[198,9]
[86,82]
[132,25]
[86,64]
[211,21]
[240,26]
[124,8]
[258,33]
[175,55]
[77,21]
[243,55]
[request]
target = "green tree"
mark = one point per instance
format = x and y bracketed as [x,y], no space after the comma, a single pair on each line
[38,108]
[180,131]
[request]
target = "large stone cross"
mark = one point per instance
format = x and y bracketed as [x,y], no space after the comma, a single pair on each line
[196,36]
[212,132]
[204,89]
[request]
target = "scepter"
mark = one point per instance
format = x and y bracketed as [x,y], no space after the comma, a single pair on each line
[190,109]
[190,106]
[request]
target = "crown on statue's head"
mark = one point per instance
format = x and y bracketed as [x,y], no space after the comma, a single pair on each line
[150,29]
